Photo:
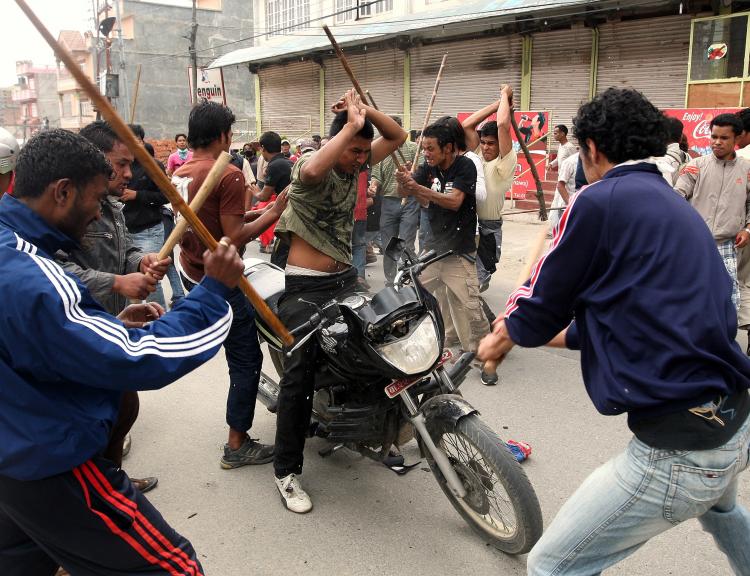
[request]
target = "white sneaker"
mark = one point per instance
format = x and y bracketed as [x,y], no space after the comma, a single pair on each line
[292,494]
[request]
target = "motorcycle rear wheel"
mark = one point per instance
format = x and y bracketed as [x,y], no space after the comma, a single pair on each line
[500,504]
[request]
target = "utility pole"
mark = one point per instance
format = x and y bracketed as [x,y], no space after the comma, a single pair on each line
[95,49]
[123,74]
[193,54]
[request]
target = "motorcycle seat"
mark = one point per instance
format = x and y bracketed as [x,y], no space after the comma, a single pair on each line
[267,280]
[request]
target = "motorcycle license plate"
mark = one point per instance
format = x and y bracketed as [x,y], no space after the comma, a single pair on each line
[397,386]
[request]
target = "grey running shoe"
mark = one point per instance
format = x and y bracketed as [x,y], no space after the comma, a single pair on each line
[488,379]
[251,452]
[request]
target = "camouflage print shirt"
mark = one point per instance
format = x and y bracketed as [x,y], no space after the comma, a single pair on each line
[321,214]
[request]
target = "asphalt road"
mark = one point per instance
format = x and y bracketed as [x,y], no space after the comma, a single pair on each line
[368,520]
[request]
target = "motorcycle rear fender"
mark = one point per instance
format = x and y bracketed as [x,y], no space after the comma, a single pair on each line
[449,407]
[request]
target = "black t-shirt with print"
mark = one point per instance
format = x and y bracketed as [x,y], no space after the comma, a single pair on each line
[279,173]
[452,229]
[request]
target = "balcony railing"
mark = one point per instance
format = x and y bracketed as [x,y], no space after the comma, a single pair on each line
[23,95]
[66,83]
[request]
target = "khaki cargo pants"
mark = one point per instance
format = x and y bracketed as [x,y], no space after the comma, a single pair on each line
[453,281]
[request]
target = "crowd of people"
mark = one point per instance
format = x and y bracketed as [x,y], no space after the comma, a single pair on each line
[642,276]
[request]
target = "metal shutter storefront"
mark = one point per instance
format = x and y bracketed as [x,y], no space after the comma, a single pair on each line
[289,99]
[379,71]
[561,72]
[471,79]
[650,55]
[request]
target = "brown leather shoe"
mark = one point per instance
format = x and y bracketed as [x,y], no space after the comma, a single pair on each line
[145,484]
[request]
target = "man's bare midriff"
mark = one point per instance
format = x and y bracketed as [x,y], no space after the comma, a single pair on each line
[304,255]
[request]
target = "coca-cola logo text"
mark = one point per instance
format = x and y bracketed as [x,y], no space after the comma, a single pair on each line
[692,116]
[702,129]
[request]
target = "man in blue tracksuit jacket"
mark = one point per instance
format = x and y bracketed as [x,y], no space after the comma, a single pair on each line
[635,268]
[64,364]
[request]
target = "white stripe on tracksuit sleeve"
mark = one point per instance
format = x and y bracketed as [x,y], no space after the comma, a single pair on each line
[62,335]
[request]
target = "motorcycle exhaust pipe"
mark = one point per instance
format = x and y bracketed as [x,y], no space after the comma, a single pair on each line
[268,392]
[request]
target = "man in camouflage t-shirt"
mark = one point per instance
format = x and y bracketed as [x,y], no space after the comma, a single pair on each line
[317,225]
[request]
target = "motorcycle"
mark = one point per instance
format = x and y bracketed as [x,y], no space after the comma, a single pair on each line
[386,379]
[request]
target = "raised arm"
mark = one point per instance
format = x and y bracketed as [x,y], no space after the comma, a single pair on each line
[503,120]
[391,135]
[471,123]
[323,161]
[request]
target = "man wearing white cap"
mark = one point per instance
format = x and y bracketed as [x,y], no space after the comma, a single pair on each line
[9,149]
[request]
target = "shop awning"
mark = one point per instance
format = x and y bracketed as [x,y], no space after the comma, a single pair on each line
[308,41]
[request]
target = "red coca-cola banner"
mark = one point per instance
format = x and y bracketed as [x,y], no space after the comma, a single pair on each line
[696,122]
[534,128]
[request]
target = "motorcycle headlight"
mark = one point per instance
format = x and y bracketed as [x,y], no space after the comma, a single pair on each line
[416,352]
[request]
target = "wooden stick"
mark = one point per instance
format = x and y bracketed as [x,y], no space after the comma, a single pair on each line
[513,213]
[212,178]
[429,113]
[490,366]
[350,73]
[374,105]
[151,167]
[529,168]
[135,95]
[532,166]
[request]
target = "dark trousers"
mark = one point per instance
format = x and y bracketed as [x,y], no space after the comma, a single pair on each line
[126,417]
[298,382]
[242,351]
[398,221]
[91,521]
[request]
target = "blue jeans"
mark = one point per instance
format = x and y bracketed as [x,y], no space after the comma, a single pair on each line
[400,221]
[245,359]
[642,492]
[151,240]
[172,275]
[359,247]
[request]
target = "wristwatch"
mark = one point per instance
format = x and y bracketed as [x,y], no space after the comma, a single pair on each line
[746,230]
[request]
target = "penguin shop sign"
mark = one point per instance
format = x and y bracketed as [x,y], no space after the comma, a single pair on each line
[210,85]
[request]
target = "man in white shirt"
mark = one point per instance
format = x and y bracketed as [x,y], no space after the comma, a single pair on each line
[743,254]
[566,188]
[675,157]
[566,148]
[499,161]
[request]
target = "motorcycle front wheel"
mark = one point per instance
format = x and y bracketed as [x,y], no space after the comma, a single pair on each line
[500,503]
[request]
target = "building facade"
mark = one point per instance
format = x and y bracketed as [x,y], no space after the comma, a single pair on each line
[10,112]
[154,55]
[36,96]
[75,107]
[555,55]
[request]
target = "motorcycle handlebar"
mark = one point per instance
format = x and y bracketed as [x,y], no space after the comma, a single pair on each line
[311,323]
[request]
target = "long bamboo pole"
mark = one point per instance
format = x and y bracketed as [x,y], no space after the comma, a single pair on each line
[135,95]
[350,73]
[532,166]
[374,105]
[429,113]
[535,251]
[151,167]
[212,178]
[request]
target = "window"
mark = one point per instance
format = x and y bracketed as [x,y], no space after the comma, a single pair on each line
[347,10]
[283,16]
[717,73]
[718,48]
[67,105]
[368,8]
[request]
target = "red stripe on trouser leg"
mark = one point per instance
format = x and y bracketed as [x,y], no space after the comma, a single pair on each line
[167,550]
[117,531]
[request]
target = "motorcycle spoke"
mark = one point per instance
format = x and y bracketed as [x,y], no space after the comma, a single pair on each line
[501,516]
